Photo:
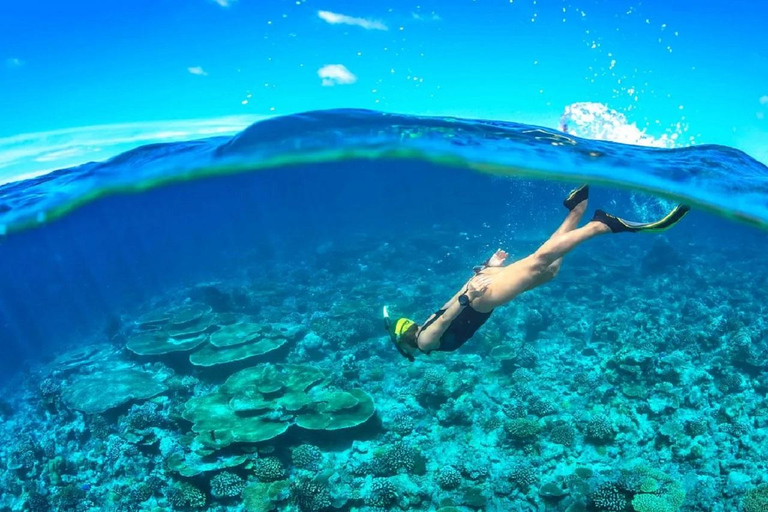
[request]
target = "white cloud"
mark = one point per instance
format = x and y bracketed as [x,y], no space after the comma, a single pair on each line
[14,62]
[336,74]
[225,3]
[197,70]
[764,100]
[342,19]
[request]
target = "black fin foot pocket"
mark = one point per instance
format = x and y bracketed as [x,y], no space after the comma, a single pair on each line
[576,196]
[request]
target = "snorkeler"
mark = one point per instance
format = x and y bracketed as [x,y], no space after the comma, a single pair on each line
[495,285]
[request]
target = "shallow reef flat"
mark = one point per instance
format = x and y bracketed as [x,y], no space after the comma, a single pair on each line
[633,386]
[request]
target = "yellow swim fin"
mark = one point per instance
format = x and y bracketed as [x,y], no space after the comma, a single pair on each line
[619,225]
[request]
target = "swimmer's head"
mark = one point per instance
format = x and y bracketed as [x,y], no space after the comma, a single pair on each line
[405,334]
[402,335]
[403,326]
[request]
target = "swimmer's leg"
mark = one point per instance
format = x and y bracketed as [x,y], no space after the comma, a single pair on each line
[530,272]
[576,202]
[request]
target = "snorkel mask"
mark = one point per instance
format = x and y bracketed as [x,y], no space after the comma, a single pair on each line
[394,334]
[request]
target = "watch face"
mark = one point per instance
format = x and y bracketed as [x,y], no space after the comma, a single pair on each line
[463,300]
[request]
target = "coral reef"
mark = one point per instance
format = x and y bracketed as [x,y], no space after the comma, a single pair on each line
[108,389]
[645,397]
[260,403]
[227,485]
[307,456]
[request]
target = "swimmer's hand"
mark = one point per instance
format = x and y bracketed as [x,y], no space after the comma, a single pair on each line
[477,286]
[498,258]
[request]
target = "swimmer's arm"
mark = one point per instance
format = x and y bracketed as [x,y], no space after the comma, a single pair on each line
[496,259]
[429,338]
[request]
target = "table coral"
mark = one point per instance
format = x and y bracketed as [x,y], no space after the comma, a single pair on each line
[107,389]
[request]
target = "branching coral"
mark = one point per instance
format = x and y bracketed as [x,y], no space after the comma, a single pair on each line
[186,496]
[448,477]
[563,434]
[310,496]
[396,459]
[600,429]
[227,485]
[522,430]
[307,456]
[523,476]
[402,424]
[383,493]
[608,498]
[647,489]
[756,499]
[269,469]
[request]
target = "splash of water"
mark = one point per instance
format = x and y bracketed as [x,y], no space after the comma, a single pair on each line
[597,121]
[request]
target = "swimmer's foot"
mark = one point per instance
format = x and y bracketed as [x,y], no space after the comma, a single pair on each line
[576,196]
[618,225]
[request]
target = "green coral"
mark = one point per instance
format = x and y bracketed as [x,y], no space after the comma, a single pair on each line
[226,485]
[155,343]
[448,477]
[397,458]
[108,389]
[218,425]
[523,476]
[264,497]
[186,496]
[552,490]
[307,456]
[178,330]
[563,434]
[521,429]
[657,491]
[188,315]
[651,503]
[69,498]
[224,338]
[261,403]
[210,355]
[310,496]
[649,485]
[269,469]
[608,498]
[255,498]
[756,499]
[236,334]
[383,494]
[600,429]
[194,463]
[56,467]
[244,340]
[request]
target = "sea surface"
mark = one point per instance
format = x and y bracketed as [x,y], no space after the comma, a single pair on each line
[197,325]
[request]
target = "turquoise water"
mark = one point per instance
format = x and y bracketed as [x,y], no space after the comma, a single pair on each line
[196,325]
[716,178]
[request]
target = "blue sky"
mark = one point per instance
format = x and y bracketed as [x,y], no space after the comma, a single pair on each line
[83,63]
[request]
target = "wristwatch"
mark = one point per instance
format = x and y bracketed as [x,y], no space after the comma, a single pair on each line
[464,299]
